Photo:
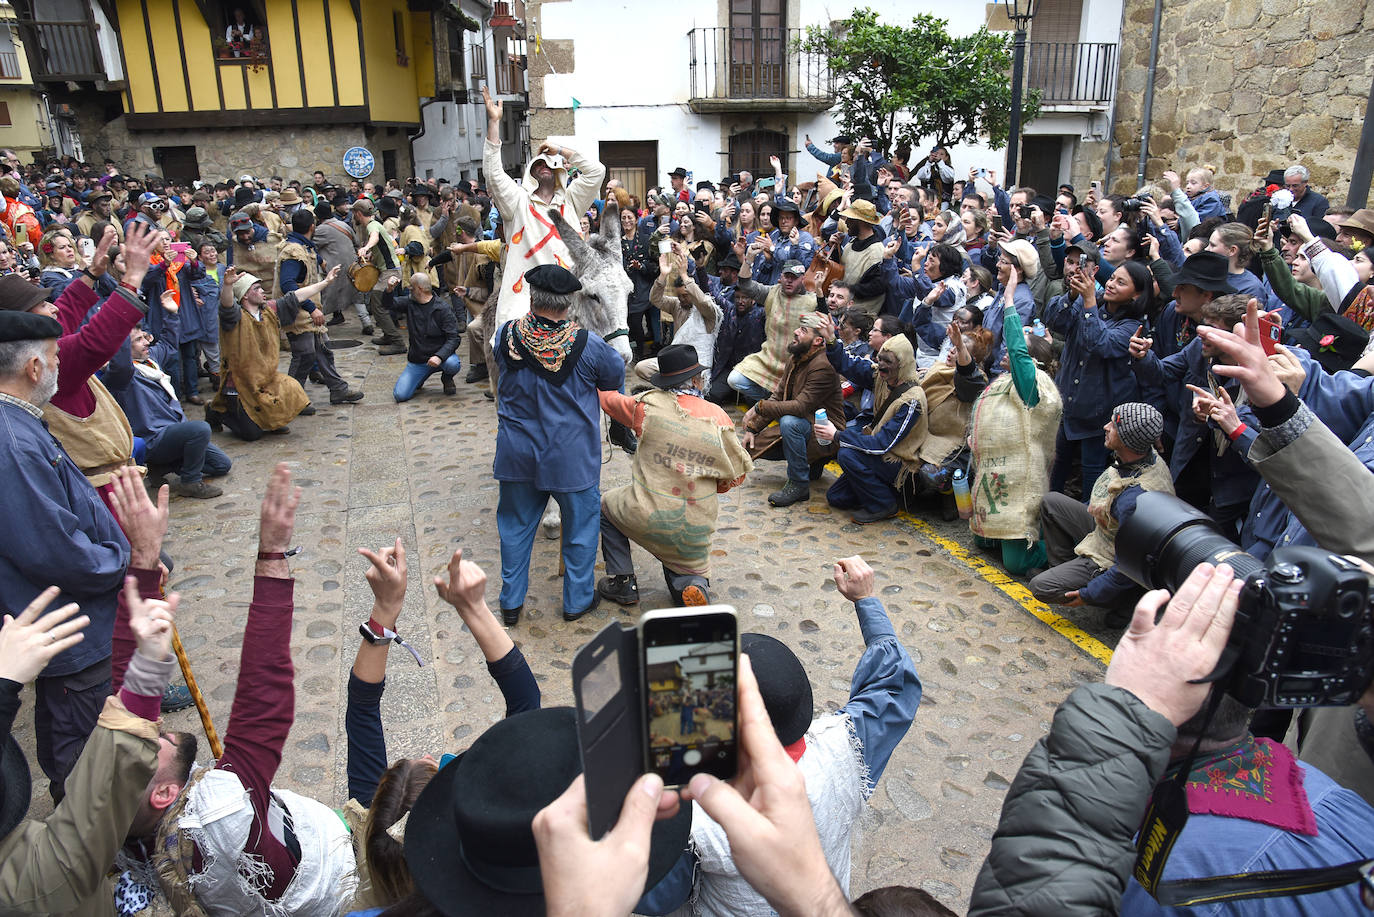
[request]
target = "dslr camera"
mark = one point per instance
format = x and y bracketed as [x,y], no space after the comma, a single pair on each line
[1136,202]
[1304,631]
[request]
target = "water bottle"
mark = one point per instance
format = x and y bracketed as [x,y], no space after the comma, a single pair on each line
[822,417]
[1038,329]
[962,498]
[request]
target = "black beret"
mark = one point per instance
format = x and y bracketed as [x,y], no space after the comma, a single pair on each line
[414,249]
[27,326]
[554,279]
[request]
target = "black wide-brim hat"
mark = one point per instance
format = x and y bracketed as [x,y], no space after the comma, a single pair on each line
[783,685]
[469,841]
[15,786]
[677,363]
[786,205]
[1206,271]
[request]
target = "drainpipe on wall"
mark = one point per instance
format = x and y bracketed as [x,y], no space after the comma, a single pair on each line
[1363,171]
[1149,96]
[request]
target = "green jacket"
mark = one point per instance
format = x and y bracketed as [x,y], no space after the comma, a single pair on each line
[1309,302]
[59,865]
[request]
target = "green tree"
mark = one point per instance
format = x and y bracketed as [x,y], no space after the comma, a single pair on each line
[898,85]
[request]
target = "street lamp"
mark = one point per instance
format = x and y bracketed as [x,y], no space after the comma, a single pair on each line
[1020,12]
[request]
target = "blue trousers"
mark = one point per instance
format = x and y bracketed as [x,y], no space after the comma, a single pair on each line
[1093,457]
[868,481]
[189,351]
[746,386]
[415,373]
[518,512]
[187,448]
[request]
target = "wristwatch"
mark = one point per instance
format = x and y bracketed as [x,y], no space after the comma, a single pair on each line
[380,635]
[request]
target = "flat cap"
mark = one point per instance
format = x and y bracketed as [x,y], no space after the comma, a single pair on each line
[553,279]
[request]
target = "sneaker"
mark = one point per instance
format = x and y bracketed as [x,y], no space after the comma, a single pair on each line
[865,517]
[200,490]
[176,697]
[621,589]
[624,437]
[336,319]
[308,411]
[476,373]
[794,492]
[390,350]
[349,396]
[449,387]
[368,330]
[695,597]
[511,616]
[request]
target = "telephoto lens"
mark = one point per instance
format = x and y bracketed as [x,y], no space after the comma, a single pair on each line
[1166,538]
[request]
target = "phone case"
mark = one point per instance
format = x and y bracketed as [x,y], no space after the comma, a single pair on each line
[610,729]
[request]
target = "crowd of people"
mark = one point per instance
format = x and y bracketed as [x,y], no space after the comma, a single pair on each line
[1034,362]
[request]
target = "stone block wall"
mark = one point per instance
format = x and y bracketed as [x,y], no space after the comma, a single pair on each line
[291,152]
[1247,86]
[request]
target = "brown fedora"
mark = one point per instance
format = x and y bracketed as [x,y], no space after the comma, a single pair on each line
[1361,220]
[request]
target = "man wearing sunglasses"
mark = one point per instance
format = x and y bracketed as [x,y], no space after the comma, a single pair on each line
[151,209]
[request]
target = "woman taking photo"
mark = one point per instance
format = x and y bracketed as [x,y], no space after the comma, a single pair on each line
[1095,371]
[642,268]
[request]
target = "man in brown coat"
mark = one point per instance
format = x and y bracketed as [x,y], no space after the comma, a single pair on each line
[809,383]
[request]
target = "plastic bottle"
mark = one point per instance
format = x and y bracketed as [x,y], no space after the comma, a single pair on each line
[822,417]
[1038,329]
[962,498]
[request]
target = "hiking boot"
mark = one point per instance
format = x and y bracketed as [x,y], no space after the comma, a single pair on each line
[447,380]
[215,419]
[624,437]
[574,615]
[349,396]
[200,490]
[176,697]
[511,616]
[794,492]
[308,411]
[695,597]
[476,373]
[621,589]
[336,319]
[865,517]
[390,350]
[368,329]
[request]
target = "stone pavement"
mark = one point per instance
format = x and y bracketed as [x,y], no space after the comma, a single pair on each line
[992,673]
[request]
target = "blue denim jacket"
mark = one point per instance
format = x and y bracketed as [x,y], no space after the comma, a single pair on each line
[1095,372]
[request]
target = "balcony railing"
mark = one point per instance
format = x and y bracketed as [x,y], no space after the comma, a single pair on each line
[9,65]
[510,75]
[62,51]
[751,68]
[1071,73]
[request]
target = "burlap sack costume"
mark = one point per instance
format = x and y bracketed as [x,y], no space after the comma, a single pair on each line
[684,460]
[99,444]
[1013,446]
[905,451]
[271,399]
[1100,545]
[948,416]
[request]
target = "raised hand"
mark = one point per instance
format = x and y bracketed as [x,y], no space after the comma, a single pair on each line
[1172,178]
[494,108]
[387,580]
[1249,363]
[854,578]
[140,240]
[151,621]
[466,586]
[278,516]
[143,521]
[1140,344]
[29,642]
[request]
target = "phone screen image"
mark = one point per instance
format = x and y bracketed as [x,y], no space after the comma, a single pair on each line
[690,666]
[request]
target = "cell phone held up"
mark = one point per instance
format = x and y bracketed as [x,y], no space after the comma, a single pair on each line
[1271,332]
[659,697]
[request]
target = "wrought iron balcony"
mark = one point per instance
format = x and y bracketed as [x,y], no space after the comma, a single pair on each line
[62,51]
[1072,73]
[745,69]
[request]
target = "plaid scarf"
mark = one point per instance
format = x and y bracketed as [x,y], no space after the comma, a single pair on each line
[543,343]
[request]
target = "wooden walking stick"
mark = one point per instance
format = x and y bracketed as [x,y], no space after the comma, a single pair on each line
[216,748]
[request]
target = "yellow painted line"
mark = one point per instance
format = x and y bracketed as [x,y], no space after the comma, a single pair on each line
[1015,590]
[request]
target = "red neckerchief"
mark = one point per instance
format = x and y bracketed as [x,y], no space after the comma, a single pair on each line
[796,749]
[1257,780]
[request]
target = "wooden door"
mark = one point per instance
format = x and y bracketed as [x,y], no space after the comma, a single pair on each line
[758,49]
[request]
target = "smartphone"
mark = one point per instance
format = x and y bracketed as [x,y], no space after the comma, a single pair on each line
[179,250]
[1095,185]
[87,247]
[610,721]
[1271,332]
[690,673]
[996,221]
[664,246]
[1268,211]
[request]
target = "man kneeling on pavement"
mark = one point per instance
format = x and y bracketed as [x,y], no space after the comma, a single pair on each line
[688,454]
[434,332]
[173,444]
[1081,540]
[809,383]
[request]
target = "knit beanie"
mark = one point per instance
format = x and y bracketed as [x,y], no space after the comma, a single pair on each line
[1138,425]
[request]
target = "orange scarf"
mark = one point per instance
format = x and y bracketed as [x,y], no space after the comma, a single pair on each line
[172,268]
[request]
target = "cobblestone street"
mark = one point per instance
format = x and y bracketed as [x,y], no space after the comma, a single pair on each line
[992,672]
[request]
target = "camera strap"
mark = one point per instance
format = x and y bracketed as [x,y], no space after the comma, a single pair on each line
[1164,822]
